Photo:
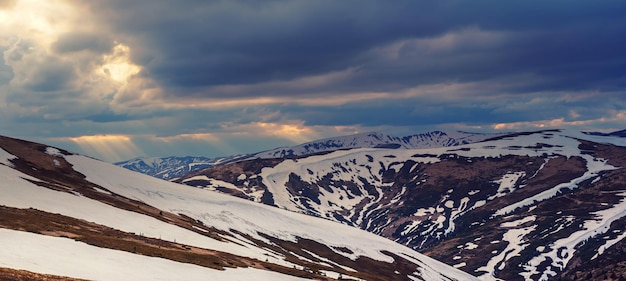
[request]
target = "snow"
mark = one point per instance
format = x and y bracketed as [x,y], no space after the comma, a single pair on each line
[336,164]
[519,222]
[459,265]
[66,257]
[5,157]
[449,204]
[217,210]
[562,250]
[608,244]
[227,212]
[53,151]
[594,167]
[20,193]
[194,178]
[507,184]
[470,246]
[373,139]
[516,243]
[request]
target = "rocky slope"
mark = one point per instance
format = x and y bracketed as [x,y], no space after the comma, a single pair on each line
[529,206]
[63,214]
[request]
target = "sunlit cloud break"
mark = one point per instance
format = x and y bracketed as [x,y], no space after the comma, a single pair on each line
[616,117]
[110,147]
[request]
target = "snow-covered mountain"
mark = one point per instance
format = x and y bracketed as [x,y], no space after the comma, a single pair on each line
[376,140]
[69,215]
[529,206]
[621,133]
[171,168]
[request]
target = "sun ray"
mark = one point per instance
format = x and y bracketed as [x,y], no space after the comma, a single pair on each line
[109,147]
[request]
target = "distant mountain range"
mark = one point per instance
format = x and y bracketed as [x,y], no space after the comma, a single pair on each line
[376,140]
[545,205]
[170,168]
[65,216]
[621,133]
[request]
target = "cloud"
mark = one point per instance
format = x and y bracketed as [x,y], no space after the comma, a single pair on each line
[201,73]
[615,120]
[7,4]
[77,41]
[112,147]
[287,40]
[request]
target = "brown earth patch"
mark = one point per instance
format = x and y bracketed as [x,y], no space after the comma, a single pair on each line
[35,221]
[9,274]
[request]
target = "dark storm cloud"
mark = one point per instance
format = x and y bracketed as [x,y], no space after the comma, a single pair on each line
[189,44]
[422,112]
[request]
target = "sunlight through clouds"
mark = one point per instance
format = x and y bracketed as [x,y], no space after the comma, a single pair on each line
[41,20]
[615,117]
[117,65]
[111,147]
[295,132]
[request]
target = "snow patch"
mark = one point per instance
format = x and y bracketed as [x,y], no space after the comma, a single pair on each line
[5,158]
[53,151]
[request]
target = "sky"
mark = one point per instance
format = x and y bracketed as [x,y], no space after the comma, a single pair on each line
[116,79]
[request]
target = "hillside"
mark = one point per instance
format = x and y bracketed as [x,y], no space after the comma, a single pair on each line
[537,205]
[63,214]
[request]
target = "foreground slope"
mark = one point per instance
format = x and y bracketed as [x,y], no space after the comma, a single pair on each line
[534,206]
[71,215]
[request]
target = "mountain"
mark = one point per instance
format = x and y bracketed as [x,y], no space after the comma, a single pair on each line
[621,134]
[63,214]
[545,205]
[376,140]
[171,168]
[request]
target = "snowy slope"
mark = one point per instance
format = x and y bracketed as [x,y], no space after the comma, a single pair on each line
[541,200]
[149,212]
[60,256]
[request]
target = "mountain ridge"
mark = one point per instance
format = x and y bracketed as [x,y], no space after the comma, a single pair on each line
[484,207]
[69,215]
[172,167]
